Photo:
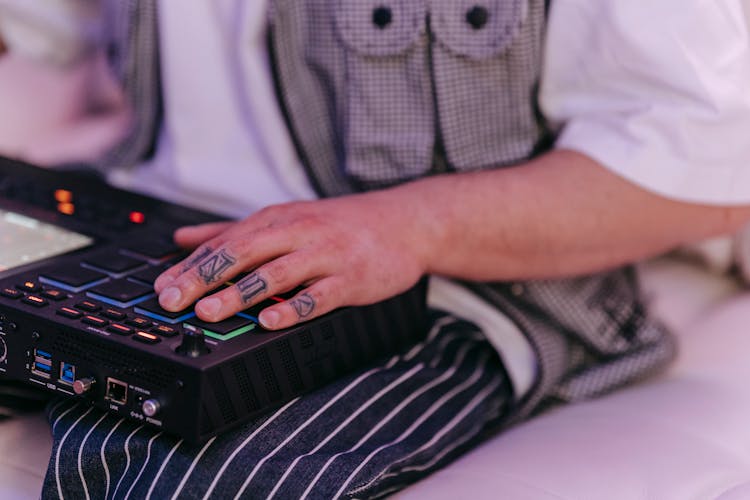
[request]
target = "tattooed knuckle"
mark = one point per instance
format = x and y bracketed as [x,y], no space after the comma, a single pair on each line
[213,268]
[304,305]
[252,286]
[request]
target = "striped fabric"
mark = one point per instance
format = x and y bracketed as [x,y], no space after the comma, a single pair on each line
[364,436]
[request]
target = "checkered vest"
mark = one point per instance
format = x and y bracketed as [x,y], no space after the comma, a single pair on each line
[378,92]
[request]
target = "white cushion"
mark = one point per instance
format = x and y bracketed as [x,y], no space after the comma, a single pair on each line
[683,435]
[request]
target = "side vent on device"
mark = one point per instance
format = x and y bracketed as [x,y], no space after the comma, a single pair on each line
[269,377]
[241,375]
[290,366]
[222,396]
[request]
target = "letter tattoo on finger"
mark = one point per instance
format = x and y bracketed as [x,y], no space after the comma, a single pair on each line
[251,286]
[212,268]
[304,305]
[197,259]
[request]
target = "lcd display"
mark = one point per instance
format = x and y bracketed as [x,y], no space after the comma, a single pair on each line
[24,240]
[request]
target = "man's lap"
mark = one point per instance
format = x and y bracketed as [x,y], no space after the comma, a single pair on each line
[373,431]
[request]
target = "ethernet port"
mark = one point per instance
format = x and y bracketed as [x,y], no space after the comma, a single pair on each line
[117,391]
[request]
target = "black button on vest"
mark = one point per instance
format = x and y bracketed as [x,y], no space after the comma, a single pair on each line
[477,17]
[382,17]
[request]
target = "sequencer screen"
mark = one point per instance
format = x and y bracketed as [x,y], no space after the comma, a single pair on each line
[24,240]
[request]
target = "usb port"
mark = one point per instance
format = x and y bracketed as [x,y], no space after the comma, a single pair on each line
[117,391]
[42,369]
[42,364]
[42,354]
[67,373]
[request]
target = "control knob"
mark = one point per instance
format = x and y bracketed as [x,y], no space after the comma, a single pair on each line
[150,407]
[83,385]
[193,343]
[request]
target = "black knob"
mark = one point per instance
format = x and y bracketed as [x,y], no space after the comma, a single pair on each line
[477,17]
[193,344]
[382,17]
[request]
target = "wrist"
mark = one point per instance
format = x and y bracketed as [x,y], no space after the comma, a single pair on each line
[420,213]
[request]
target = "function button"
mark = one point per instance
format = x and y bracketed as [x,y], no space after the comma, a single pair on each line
[138,322]
[35,301]
[155,250]
[69,312]
[164,331]
[55,295]
[29,286]
[146,338]
[11,293]
[152,309]
[148,275]
[121,293]
[93,320]
[223,330]
[72,278]
[119,329]
[88,306]
[114,314]
[113,263]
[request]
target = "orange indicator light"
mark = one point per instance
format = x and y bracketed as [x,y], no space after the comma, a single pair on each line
[63,196]
[35,299]
[147,335]
[137,217]
[66,208]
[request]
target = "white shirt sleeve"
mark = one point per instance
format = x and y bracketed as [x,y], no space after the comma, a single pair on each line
[55,31]
[658,91]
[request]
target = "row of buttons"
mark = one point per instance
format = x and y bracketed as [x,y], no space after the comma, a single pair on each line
[122,325]
[38,298]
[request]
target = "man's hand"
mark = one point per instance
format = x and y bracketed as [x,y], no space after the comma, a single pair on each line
[561,215]
[346,251]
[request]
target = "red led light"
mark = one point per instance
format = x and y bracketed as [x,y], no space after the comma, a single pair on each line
[63,196]
[137,217]
[66,208]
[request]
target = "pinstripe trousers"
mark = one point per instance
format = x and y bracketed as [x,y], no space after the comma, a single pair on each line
[364,436]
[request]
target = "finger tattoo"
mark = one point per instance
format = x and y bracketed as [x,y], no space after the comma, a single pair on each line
[304,305]
[251,286]
[197,259]
[210,270]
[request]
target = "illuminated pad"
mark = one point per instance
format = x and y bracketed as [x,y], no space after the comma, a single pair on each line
[121,293]
[72,278]
[224,330]
[153,310]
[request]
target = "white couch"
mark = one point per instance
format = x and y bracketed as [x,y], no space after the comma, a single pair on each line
[682,435]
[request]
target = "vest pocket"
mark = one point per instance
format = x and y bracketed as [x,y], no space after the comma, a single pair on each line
[486,60]
[477,29]
[386,104]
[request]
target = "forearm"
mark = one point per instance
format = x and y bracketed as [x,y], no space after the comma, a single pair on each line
[560,215]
